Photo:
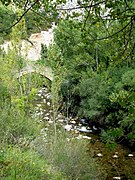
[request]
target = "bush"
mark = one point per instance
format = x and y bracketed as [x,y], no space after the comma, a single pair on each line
[19,164]
[5,99]
[15,126]
[124,98]
[71,157]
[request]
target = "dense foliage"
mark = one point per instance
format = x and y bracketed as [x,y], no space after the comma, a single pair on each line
[96,55]
[98,83]
[92,59]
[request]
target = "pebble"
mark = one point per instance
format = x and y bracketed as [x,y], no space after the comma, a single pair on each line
[68,127]
[86,137]
[115,156]
[46,118]
[60,120]
[130,155]
[44,100]
[99,155]
[48,103]
[116,178]
[40,91]
[39,105]
[50,122]
[39,95]
[84,129]
[73,122]
[47,114]
[68,139]
[79,137]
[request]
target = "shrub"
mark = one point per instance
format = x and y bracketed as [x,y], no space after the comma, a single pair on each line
[71,157]
[19,164]
[14,125]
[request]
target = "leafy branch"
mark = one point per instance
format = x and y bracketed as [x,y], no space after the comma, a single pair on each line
[19,19]
[117,32]
[80,7]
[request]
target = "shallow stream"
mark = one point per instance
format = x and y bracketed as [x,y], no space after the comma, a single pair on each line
[119,163]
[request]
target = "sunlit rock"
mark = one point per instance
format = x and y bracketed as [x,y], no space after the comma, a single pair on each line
[40,91]
[60,120]
[68,139]
[48,96]
[47,114]
[115,156]
[116,178]
[130,155]
[76,131]
[50,122]
[73,122]
[44,100]
[68,127]
[59,115]
[99,155]
[79,137]
[84,129]
[46,118]
[39,94]
[39,105]
[86,137]
[48,103]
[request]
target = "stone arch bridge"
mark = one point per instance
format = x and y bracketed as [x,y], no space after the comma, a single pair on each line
[44,71]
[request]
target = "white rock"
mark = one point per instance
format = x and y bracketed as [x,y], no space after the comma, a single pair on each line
[40,91]
[68,127]
[59,115]
[60,120]
[48,96]
[130,155]
[115,156]
[44,100]
[73,122]
[39,94]
[79,137]
[38,114]
[47,114]
[39,105]
[50,122]
[46,118]
[116,178]
[86,137]
[76,131]
[84,129]
[48,103]
[99,155]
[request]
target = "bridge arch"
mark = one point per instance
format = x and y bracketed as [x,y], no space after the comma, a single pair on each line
[45,72]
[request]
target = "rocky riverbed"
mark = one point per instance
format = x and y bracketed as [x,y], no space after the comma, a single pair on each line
[118,162]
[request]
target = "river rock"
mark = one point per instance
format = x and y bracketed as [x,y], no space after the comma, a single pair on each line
[116,178]
[99,155]
[84,129]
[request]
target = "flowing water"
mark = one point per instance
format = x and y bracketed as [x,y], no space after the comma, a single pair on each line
[119,163]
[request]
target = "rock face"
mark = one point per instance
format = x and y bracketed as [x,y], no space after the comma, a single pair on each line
[31,49]
[45,37]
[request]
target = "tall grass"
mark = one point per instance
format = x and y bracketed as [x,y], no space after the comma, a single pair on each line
[71,157]
[17,164]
